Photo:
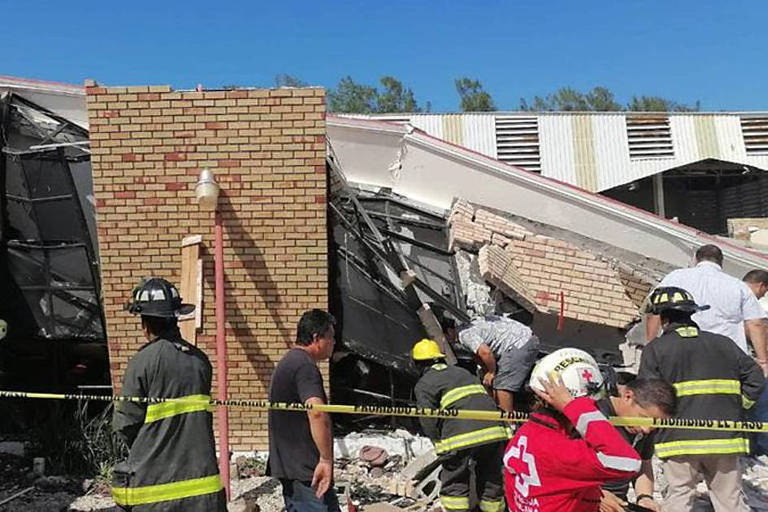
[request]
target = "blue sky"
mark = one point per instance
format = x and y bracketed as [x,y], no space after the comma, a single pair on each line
[710,51]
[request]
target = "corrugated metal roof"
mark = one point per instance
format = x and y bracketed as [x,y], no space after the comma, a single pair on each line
[598,150]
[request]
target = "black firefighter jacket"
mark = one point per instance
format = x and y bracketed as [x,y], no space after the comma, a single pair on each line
[452,387]
[714,379]
[172,461]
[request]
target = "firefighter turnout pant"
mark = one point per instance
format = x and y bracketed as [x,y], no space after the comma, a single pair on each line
[456,475]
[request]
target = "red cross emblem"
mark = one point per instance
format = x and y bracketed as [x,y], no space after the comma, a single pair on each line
[587,375]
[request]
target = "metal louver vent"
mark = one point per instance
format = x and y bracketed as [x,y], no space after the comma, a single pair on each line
[755,132]
[649,137]
[517,141]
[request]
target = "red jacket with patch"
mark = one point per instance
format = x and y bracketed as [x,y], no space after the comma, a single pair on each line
[548,471]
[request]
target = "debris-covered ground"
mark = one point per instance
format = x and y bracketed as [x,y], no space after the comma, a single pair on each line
[375,472]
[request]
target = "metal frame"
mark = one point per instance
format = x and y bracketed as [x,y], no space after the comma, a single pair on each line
[54,152]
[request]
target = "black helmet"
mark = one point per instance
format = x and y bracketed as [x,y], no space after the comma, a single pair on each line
[155,296]
[667,298]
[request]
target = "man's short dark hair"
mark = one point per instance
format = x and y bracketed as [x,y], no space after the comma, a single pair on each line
[159,326]
[711,253]
[674,316]
[313,322]
[655,392]
[756,276]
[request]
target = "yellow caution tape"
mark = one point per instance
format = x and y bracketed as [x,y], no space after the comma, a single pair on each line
[413,412]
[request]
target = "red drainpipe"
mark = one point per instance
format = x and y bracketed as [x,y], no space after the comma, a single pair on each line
[561,320]
[221,355]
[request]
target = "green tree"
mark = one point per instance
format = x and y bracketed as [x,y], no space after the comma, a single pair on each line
[350,97]
[353,98]
[285,80]
[473,97]
[658,104]
[568,99]
[601,99]
[395,97]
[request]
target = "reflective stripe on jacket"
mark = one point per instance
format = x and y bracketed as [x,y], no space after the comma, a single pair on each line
[453,387]
[713,378]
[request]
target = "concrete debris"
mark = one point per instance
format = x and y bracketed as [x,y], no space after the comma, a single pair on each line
[12,448]
[246,467]
[378,475]
[373,455]
[262,494]
[400,442]
[418,465]
[381,507]
[477,293]
[243,505]
[428,489]
[756,482]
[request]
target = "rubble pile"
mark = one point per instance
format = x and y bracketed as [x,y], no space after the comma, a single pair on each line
[756,482]
[386,472]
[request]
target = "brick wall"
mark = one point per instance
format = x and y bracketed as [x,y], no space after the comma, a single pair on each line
[267,150]
[533,269]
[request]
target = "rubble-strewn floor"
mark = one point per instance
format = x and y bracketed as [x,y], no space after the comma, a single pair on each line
[374,480]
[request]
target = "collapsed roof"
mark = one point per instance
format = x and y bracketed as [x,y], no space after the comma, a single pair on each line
[579,264]
[48,258]
[434,172]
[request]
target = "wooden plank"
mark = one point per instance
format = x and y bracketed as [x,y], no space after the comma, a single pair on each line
[191,286]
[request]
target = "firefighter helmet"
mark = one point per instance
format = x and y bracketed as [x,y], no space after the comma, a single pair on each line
[3,328]
[579,371]
[426,350]
[157,297]
[668,298]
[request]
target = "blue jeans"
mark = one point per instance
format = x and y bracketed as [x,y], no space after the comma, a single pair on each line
[759,412]
[300,497]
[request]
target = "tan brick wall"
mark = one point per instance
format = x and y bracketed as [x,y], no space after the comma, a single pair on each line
[267,150]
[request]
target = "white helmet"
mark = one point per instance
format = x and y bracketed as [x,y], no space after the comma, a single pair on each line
[578,369]
[3,328]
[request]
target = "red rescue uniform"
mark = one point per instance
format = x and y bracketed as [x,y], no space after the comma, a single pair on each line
[547,470]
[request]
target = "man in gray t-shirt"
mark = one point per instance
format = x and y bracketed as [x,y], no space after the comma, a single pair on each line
[506,349]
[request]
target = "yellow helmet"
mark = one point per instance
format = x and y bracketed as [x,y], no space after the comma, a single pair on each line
[426,350]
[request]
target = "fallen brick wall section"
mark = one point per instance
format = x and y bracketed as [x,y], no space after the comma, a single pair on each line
[534,269]
[267,150]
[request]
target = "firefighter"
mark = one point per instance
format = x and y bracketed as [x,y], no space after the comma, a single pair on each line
[171,463]
[559,458]
[715,379]
[460,443]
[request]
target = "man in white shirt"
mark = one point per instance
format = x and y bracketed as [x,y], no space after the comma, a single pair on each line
[734,311]
[506,350]
[757,280]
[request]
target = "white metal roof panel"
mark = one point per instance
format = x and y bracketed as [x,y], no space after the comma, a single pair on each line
[556,148]
[592,149]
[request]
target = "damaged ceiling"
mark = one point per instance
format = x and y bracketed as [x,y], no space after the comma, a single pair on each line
[434,172]
[483,237]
